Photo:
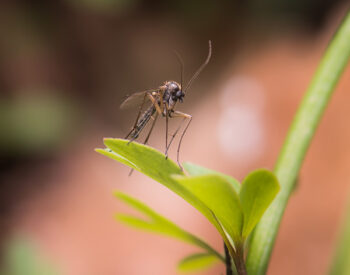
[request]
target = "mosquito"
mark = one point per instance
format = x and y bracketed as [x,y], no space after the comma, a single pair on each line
[162,103]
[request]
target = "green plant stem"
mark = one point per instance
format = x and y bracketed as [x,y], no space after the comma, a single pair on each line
[297,143]
[228,261]
[238,259]
[341,262]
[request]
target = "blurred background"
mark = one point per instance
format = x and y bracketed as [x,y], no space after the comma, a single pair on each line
[66,65]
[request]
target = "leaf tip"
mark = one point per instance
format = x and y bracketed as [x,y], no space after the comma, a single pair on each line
[118,217]
[102,151]
[118,194]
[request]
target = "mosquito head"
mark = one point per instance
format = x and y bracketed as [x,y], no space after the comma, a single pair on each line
[174,91]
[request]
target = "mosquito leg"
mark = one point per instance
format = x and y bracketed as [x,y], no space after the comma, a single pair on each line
[185,116]
[155,104]
[147,138]
[182,135]
[138,115]
[174,135]
[166,133]
[150,131]
[161,103]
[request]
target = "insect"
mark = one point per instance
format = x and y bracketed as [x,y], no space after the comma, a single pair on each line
[162,102]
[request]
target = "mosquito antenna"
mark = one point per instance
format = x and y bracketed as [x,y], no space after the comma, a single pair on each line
[180,60]
[199,70]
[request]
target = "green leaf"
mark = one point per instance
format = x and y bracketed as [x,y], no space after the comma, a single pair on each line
[109,153]
[258,190]
[195,262]
[154,164]
[159,224]
[196,170]
[220,197]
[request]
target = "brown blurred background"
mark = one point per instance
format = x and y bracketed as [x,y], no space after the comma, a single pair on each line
[66,66]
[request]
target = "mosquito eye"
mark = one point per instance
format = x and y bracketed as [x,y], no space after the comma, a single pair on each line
[179,94]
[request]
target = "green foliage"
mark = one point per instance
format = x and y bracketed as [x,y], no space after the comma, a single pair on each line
[233,209]
[219,196]
[196,170]
[341,261]
[26,123]
[196,261]
[297,142]
[258,190]
[21,257]
[158,224]
[153,164]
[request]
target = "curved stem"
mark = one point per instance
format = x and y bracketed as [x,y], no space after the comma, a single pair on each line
[340,265]
[228,261]
[238,259]
[297,143]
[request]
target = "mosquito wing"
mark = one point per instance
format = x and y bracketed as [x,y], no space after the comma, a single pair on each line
[136,99]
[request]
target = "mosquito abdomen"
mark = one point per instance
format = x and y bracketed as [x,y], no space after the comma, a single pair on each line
[143,120]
